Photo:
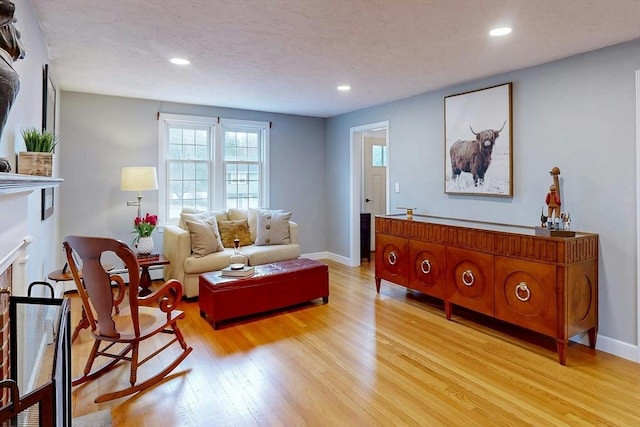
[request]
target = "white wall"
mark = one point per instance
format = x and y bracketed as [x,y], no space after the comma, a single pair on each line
[576,113]
[27,112]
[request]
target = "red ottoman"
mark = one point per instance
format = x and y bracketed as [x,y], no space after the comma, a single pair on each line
[273,286]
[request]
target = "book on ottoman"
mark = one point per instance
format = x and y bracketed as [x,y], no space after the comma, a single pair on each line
[237,272]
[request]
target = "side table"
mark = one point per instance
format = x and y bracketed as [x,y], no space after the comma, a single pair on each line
[146,261]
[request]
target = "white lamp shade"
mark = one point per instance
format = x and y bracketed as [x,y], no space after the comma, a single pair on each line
[139,179]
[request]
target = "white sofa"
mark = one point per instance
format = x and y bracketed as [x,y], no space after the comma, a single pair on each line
[186,266]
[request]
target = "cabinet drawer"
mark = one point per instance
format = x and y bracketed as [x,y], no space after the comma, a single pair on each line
[392,255]
[526,294]
[427,268]
[470,280]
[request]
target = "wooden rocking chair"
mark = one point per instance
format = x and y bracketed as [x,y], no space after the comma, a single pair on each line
[110,325]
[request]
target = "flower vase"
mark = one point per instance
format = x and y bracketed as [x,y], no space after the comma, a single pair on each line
[145,245]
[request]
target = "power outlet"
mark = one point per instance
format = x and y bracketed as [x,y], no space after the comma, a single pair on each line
[397,187]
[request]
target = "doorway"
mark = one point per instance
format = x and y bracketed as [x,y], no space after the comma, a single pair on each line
[369,179]
[374,176]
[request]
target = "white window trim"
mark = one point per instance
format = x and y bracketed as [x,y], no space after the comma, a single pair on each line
[264,157]
[217,189]
[163,161]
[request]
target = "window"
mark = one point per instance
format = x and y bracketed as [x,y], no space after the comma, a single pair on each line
[379,155]
[211,164]
[241,167]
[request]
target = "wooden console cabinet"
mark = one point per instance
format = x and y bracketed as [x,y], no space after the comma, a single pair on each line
[545,284]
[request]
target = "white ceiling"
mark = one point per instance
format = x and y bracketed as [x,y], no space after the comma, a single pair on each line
[288,56]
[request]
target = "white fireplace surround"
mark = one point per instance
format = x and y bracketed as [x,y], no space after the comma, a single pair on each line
[14,233]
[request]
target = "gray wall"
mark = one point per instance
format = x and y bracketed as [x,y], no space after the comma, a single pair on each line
[101,134]
[576,113]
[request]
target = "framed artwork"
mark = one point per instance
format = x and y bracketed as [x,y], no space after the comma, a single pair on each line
[48,101]
[47,203]
[478,142]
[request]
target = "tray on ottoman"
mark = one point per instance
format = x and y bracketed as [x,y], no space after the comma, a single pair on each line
[272,286]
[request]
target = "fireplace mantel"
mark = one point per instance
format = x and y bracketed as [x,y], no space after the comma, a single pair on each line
[17,183]
[15,234]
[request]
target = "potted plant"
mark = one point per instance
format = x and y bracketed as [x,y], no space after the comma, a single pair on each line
[38,159]
[143,227]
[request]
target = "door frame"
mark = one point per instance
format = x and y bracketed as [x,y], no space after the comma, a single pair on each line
[355,148]
[638,214]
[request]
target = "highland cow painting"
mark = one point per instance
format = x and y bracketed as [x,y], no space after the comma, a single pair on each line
[478,142]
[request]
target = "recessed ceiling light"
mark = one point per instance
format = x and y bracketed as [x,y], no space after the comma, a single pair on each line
[180,61]
[344,88]
[503,31]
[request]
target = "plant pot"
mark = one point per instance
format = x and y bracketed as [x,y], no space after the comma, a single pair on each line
[145,245]
[34,163]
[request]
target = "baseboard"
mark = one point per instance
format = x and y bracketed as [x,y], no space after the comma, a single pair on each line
[315,255]
[329,255]
[611,346]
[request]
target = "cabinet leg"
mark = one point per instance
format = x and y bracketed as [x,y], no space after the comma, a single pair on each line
[378,280]
[593,334]
[447,309]
[562,350]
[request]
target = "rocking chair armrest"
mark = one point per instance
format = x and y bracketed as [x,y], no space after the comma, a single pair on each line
[120,285]
[167,296]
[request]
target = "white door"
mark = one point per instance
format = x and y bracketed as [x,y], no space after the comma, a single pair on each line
[374,171]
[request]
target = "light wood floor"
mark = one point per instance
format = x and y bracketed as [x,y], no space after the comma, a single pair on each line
[368,359]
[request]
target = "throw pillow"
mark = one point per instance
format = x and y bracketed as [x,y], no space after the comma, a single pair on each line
[252,219]
[189,214]
[273,228]
[230,229]
[205,237]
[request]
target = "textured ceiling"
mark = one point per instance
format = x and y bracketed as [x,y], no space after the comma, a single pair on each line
[288,56]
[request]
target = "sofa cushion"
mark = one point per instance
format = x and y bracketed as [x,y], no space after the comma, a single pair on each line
[205,237]
[235,214]
[259,255]
[230,229]
[252,219]
[188,214]
[212,262]
[273,228]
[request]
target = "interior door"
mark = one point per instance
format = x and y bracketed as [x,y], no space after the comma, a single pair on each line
[374,170]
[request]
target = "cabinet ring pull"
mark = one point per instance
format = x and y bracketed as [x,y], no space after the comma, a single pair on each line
[393,258]
[522,287]
[428,264]
[465,274]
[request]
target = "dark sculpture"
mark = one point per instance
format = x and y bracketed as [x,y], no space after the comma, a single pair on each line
[11,49]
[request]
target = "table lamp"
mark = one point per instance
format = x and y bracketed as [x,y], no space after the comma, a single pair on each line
[138,179]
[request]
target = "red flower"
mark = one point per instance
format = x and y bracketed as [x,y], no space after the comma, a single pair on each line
[144,226]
